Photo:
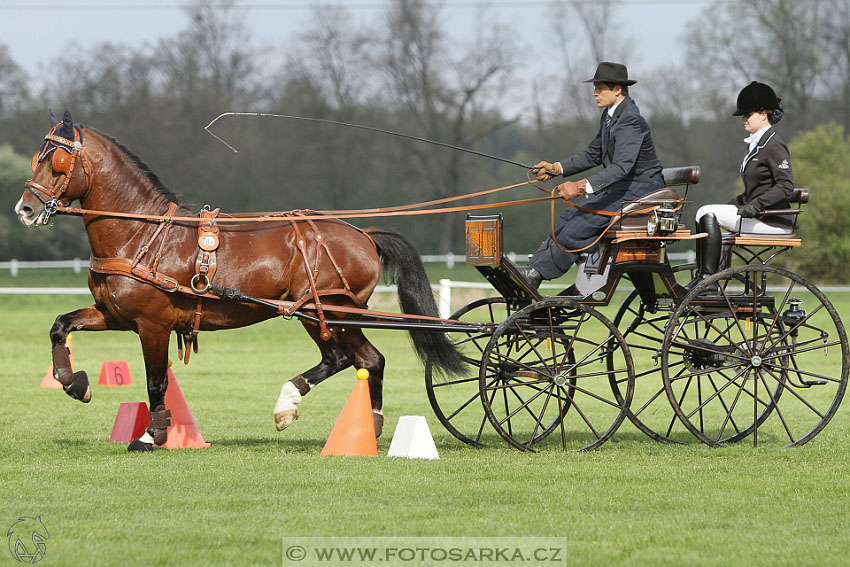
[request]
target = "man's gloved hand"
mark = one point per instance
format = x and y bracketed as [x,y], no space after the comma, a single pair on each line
[570,189]
[748,211]
[544,171]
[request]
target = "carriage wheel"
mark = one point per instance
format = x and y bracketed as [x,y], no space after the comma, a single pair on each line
[456,401]
[553,362]
[768,345]
[643,328]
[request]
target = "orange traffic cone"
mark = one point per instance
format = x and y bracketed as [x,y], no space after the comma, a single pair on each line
[353,434]
[49,381]
[183,432]
[114,373]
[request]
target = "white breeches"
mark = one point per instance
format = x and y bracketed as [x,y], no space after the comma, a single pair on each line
[728,219]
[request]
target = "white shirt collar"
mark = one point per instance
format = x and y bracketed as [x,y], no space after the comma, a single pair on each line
[753,139]
[611,109]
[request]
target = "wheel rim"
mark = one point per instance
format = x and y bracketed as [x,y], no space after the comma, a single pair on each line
[760,364]
[545,369]
[456,402]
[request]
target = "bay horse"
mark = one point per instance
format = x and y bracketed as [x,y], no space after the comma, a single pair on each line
[152,275]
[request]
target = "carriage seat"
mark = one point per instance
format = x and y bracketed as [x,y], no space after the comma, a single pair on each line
[633,219]
[688,175]
[800,196]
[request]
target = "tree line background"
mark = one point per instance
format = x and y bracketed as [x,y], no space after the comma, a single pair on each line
[401,72]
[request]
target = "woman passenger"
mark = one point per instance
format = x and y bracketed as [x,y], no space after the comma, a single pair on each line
[767,176]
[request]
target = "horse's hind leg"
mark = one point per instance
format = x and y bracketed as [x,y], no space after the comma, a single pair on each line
[367,356]
[91,318]
[336,356]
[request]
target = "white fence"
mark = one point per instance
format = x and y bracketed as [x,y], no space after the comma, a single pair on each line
[15,265]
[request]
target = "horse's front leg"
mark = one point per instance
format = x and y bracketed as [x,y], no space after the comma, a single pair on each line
[91,318]
[155,352]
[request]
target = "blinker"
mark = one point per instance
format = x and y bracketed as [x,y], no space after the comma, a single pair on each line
[61,161]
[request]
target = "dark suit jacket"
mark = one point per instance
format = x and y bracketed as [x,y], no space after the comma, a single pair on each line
[768,179]
[625,150]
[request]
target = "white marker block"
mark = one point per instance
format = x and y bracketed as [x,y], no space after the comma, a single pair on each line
[412,439]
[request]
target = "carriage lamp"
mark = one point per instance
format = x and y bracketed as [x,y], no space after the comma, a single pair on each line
[662,220]
[793,315]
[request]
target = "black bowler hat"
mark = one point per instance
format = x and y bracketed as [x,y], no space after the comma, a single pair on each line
[611,74]
[755,97]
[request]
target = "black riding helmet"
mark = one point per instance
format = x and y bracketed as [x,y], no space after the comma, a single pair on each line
[755,97]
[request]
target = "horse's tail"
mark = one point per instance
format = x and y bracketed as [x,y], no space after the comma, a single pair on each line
[403,267]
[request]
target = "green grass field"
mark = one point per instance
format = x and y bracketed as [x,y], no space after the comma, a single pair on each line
[631,502]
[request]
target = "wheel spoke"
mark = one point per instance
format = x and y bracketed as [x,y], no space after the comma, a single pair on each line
[778,409]
[729,411]
[581,413]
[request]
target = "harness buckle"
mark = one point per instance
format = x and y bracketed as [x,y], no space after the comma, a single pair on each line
[196,278]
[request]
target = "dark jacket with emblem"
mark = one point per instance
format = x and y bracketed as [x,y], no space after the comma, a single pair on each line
[768,179]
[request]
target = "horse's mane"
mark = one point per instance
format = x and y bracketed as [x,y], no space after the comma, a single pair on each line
[142,166]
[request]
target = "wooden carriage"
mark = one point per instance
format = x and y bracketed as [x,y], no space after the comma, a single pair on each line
[752,342]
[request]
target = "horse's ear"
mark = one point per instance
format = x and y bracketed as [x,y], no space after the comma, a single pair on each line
[67,129]
[53,120]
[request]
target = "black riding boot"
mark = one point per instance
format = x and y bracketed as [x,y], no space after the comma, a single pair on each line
[531,275]
[708,252]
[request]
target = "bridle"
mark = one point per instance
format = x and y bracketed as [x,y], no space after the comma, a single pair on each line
[64,161]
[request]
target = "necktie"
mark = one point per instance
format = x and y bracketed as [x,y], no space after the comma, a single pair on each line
[607,120]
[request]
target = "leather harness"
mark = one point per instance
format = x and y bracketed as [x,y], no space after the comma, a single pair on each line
[206,265]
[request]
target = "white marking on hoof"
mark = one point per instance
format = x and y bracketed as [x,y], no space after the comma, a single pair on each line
[286,408]
[146,438]
[284,419]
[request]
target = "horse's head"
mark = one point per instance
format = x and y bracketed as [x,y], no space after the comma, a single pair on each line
[60,173]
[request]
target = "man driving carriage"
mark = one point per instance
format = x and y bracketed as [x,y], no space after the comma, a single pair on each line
[624,148]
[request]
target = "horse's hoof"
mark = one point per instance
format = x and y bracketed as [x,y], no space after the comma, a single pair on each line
[378,420]
[79,389]
[284,419]
[139,446]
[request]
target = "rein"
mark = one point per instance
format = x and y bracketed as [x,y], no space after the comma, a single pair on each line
[400,210]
